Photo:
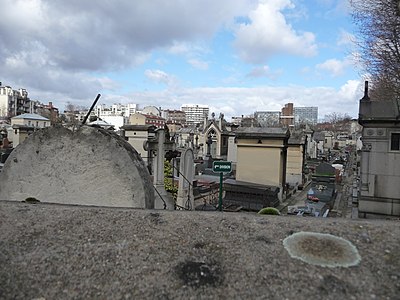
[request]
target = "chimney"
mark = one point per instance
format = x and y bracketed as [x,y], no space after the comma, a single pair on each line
[366,97]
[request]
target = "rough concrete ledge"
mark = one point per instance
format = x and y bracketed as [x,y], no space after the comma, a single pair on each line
[50,251]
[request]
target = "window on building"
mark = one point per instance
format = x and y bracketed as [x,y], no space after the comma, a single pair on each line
[395,141]
[44,125]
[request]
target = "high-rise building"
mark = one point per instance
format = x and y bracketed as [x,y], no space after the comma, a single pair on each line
[305,115]
[195,113]
[287,116]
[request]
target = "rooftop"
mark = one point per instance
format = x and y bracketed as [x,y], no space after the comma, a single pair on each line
[50,251]
[381,111]
[262,132]
[31,117]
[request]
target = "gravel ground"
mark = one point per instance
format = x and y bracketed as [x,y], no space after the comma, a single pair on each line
[52,251]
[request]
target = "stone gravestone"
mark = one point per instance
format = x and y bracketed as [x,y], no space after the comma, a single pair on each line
[185,191]
[162,199]
[89,166]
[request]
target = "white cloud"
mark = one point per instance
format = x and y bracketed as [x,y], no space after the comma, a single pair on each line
[352,89]
[264,71]
[334,67]
[159,76]
[268,33]
[198,64]
[179,48]
[101,36]
[60,50]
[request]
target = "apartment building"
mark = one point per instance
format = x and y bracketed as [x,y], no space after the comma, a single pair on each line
[125,110]
[142,119]
[174,116]
[306,115]
[13,102]
[195,113]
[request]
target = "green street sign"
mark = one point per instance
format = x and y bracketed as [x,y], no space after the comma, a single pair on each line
[222,166]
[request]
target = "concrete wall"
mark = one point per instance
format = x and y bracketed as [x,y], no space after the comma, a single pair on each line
[20,135]
[137,119]
[380,173]
[259,165]
[136,139]
[294,167]
[232,150]
[90,166]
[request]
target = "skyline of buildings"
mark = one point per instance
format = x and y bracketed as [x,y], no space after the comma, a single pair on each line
[14,102]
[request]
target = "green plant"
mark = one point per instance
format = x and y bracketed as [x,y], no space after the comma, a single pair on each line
[169,184]
[269,211]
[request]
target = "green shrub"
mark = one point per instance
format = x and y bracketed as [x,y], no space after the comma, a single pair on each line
[269,211]
[169,180]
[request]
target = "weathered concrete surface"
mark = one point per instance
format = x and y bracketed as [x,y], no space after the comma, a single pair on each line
[90,166]
[70,252]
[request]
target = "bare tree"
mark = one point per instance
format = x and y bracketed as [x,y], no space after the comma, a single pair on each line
[335,117]
[339,122]
[378,41]
[70,112]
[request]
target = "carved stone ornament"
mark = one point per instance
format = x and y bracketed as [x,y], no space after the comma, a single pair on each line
[366,147]
[370,131]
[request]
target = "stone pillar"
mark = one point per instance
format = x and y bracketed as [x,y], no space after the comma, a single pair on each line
[185,191]
[365,152]
[158,179]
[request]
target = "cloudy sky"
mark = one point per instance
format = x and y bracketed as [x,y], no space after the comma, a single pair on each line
[237,56]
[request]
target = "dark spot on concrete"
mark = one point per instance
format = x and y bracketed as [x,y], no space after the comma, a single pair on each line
[155,218]
[332,285]
[263,239]
[197,274]
[15,159]
[37,151]
[199,245]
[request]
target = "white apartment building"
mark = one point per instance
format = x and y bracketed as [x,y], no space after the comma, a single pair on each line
[13,102]
[124,110]
[195,113]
